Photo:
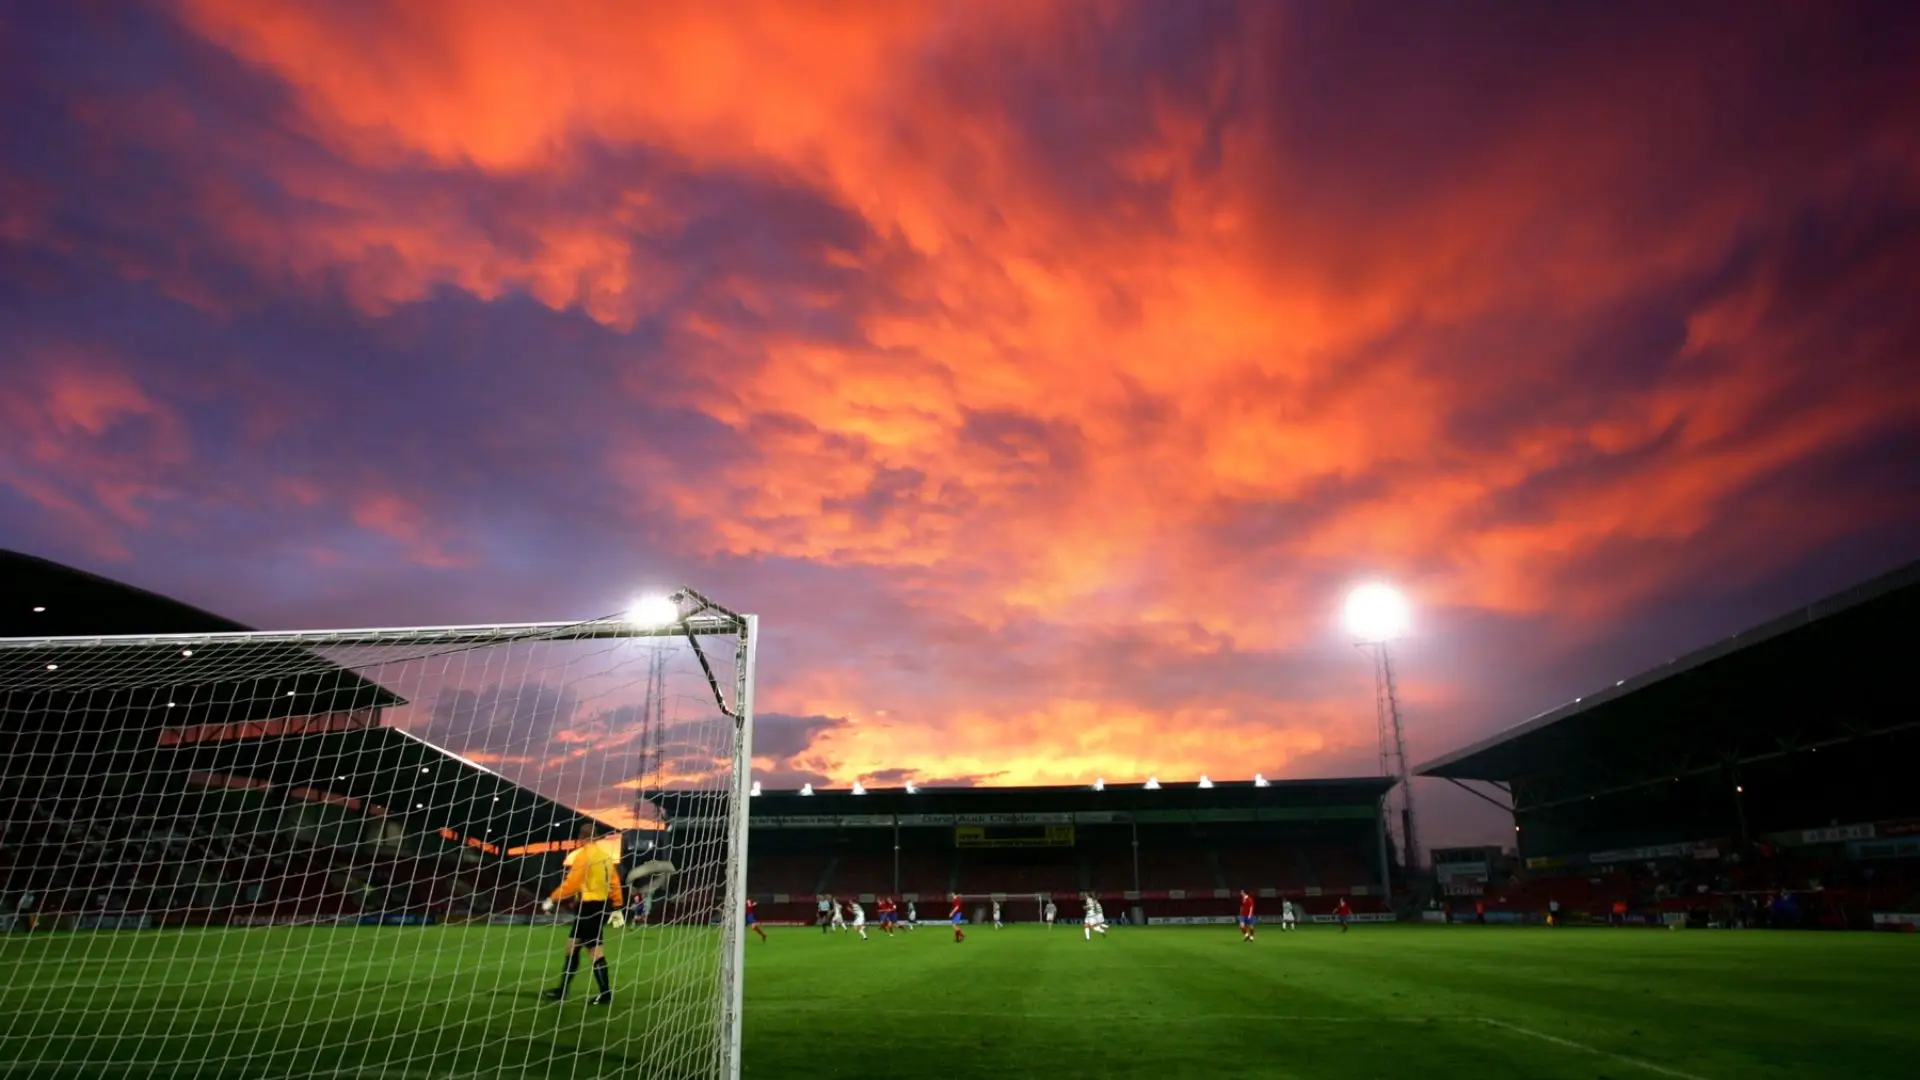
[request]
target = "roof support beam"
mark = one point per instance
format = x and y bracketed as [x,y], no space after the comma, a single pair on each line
[1483,797]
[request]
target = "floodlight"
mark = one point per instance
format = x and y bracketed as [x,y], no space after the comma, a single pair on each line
[755,789]
[911,790]
[857,789]
[1204,782]
[1376,612]
[1099,783]
[1153,783]
[654,611]
[806,789]
[1260,781]
[38,608]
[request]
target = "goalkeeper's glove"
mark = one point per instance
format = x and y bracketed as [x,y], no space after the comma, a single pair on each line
[546,907]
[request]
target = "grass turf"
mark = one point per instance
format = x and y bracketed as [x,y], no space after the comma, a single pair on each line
[1437,1002]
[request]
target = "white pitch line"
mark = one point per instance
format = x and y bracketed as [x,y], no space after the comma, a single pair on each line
[1624,1059]
[1167,1017]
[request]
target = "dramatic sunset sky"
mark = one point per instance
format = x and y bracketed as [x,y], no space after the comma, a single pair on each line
[1042,373]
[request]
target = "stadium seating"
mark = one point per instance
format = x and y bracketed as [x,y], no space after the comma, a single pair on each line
[795,875]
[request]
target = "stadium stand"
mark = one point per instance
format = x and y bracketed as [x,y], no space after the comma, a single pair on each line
[237,805]
[1764,779]
[1175,852]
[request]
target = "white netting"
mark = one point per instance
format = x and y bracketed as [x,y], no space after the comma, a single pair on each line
[323,855]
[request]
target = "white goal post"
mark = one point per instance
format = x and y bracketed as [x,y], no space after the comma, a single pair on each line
[323,853]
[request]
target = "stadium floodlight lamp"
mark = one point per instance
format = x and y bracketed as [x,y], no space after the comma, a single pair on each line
[1260,781]
[911,790]
[1204,782]
[1153,783]
[806,789]
[755,789]
[654,611]
[857,789]
[1099,783]
[1375,612]
[38,608]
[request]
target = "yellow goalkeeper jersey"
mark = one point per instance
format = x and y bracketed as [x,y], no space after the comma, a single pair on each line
[593,875]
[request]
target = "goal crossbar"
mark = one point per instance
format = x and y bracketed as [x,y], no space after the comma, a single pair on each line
[703,625]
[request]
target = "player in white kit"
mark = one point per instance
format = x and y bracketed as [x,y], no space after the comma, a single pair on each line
[1286,914]
[859,919]
[996,914]
[839,918]
[1095,919]
[913,916]
[1048,912]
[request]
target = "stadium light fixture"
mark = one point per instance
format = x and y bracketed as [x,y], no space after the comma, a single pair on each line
[857,789]
[1204,782]
[755,789]
[911,790]
[806,789]
[1260,781]
[38,608]
[1099,783]
[654,611]
[1376,612]
[1153,783]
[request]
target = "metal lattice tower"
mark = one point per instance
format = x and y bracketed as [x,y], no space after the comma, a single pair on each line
[1393,752]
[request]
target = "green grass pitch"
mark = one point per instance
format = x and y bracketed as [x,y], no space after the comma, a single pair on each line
[1432,1002]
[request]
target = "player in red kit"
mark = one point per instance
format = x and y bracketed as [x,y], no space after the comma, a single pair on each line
[959,935]
[887,915]
[753,921]
[1343,913]
[1246,915]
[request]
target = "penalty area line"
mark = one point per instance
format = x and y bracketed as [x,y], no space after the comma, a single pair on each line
[1624,1059]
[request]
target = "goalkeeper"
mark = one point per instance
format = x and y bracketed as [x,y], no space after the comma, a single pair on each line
[594,877]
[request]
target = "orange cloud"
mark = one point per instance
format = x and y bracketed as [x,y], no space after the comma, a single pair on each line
[1058,324]
[83,441]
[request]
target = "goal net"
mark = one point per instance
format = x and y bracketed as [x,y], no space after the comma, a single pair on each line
[325,854]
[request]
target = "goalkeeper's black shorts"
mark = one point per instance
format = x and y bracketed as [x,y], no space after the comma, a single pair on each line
[590,922]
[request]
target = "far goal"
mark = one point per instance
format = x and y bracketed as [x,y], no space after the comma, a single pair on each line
[332,853]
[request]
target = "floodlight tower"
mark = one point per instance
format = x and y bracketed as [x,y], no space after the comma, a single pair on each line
[653,611]
[1377,614]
